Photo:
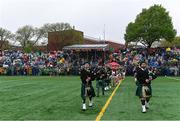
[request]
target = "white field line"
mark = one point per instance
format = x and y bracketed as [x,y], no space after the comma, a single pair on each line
[173,78]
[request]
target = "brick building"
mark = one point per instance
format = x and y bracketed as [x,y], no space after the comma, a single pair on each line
[57,40]
[113,45]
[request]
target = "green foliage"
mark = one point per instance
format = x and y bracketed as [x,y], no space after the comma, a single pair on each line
[175,42]
[150,25]
[29,48]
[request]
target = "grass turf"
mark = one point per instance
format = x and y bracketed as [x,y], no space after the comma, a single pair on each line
[58,98]
[44,98]
[164,105]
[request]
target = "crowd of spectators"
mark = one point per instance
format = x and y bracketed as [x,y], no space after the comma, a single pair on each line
[166,60]
[43,63]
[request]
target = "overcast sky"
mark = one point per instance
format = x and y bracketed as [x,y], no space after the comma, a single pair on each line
[88,16]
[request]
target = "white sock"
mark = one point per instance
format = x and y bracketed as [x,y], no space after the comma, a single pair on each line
[84,106]
[90,103]
[143,108]
[105,88]
[147,104]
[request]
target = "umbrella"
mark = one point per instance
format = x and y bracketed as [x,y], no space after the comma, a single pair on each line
[113,65]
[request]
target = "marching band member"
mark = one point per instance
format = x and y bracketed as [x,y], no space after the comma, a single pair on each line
[100,80]
[87,89]
[143,82]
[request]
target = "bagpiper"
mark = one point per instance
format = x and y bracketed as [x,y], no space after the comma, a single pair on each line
[143,81]
[100,80]
[87,90]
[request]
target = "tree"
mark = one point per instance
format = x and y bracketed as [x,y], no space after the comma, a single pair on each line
[153,24]
[28,36]
[131,33]
[52,27]
[24,35]
[55,27]
[5,36]
[175,42]
[39,34]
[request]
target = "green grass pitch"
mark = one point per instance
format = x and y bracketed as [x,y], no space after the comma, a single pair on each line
[58,98]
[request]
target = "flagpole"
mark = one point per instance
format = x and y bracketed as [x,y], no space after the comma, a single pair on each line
[104,43]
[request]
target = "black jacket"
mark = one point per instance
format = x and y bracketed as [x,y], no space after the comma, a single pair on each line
[142,75]
[84,74]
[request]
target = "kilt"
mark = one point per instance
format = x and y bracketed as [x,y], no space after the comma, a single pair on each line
[100,83]
[143,91]
[87,91]
[108,81]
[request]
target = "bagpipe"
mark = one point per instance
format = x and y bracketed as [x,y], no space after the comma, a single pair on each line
[146,91]
[88,91]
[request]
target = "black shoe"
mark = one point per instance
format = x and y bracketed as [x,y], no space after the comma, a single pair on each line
[143,112]
[83,109]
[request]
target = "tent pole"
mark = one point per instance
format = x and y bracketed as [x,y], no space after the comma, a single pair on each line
[103,55]
[87,55]
[95,55]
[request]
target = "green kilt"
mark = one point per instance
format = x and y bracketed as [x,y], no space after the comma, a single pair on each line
[87,91]
[143,91]
[100,83]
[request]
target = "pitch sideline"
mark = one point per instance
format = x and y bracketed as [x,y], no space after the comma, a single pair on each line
[99,116]
[174,78]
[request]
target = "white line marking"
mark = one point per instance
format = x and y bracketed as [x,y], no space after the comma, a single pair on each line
[173,78]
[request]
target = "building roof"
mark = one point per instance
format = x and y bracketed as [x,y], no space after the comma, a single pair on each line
[87,47]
